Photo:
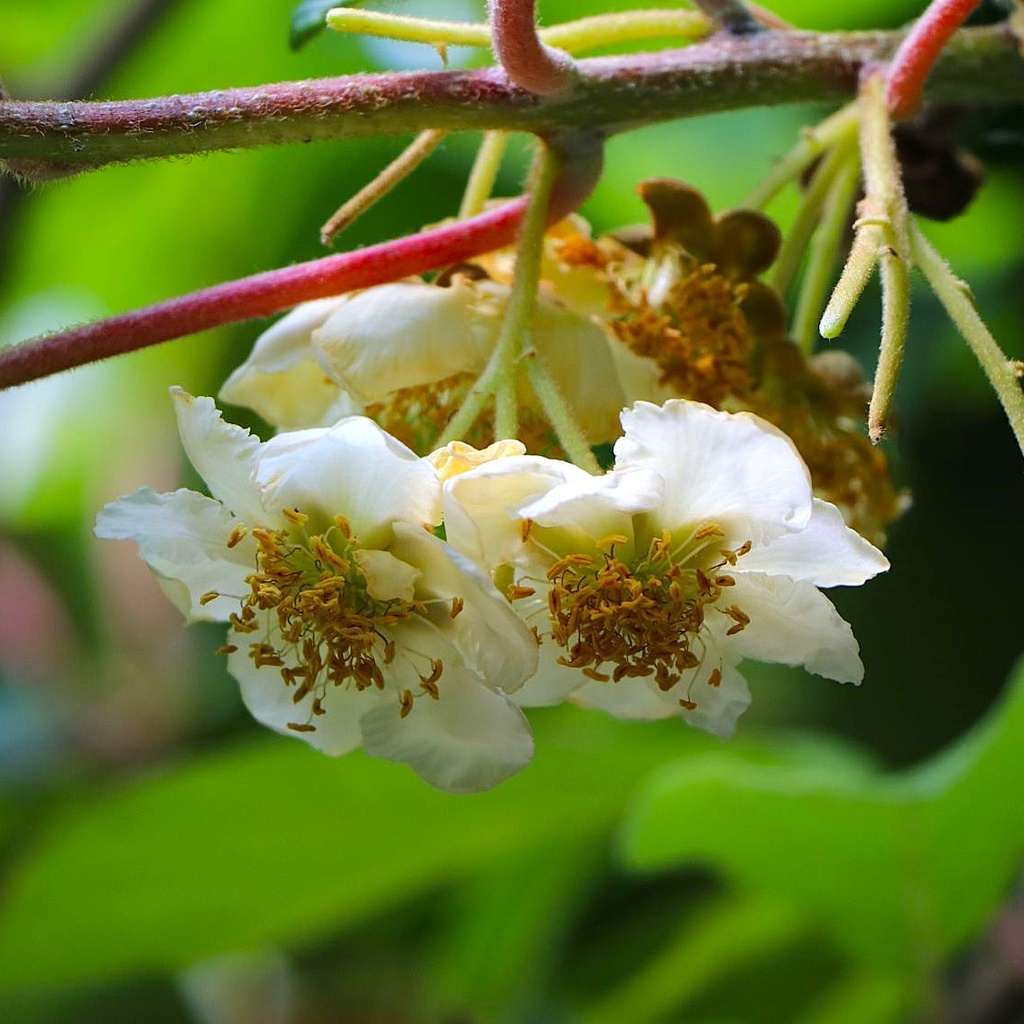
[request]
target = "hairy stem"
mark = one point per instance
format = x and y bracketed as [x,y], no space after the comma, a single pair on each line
[527,61]
[918,52]
[979,66]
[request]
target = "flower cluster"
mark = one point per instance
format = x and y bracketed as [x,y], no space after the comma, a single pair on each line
[392,581]
[351,622]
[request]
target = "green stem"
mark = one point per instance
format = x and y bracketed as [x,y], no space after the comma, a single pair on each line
[1004,374]
[885,204]
[787,264]
[821,256]
[813,143]
[516,327]
[484,173]
[560,415]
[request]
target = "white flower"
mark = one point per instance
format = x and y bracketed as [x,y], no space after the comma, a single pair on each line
[351,624]
[409,353]
[282,379]
[651,583]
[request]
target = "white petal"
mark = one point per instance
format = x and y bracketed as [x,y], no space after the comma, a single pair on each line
[282,379]
[406,334]
[793,623]
[270,702]
[734,469]
[183,538]
[481,507]
[631,698]
[468,740]
[598,505]
[826,552]
[387,578]
[489,634]
[222,454]
[577,356]
[718,707]
[353,469]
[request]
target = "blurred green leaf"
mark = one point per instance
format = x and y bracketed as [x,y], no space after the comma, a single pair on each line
[497,958]
[902,868]
[730,933]
[309,19]
[273,843]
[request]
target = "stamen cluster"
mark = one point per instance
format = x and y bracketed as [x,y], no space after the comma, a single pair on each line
[645,618]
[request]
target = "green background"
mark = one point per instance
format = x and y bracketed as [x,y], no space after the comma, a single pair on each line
[850,856]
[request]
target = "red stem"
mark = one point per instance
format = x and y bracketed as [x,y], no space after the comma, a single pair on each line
[917,53]
[274,290]
[526,60]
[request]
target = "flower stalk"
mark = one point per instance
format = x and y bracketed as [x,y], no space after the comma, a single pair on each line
[528,62]
[913,62]
[398,170]
[1003,374]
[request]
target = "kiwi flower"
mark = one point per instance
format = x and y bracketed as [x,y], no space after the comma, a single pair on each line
[350,623]
[648,585]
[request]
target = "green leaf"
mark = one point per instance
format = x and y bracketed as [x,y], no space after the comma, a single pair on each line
[273,843]
[309,19]
[902,868]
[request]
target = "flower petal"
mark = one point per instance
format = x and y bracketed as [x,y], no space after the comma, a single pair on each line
[387,578]
[407,334]
[270,701]
[222,454]
[481,507]
[492,638]
[468,740]
[353,469]
[183,538]
[282,379]
[719,706]
[826,552]
[578,355]
[733,469]
[598,505]
[793,623]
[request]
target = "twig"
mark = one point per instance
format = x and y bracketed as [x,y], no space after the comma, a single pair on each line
[400,168]
[979,66]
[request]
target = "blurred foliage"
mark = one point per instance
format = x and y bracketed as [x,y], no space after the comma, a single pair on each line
[161,859]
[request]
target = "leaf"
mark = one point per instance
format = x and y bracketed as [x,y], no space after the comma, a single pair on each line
[309,19]
[272,843]
[902,868]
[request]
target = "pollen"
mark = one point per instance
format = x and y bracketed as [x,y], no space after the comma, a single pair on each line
[318,624]
[698,335]
[642,618]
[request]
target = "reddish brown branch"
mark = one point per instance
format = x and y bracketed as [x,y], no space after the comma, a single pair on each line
[272,291]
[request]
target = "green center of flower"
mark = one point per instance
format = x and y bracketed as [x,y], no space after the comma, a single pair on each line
[330,630]
[644,617]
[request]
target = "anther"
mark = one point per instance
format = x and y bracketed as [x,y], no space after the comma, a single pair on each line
[210,595]
[715,679]
[301,727]
[237,534]
[457,605]
[405,701]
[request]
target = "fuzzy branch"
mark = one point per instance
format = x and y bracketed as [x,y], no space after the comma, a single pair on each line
[979,66]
